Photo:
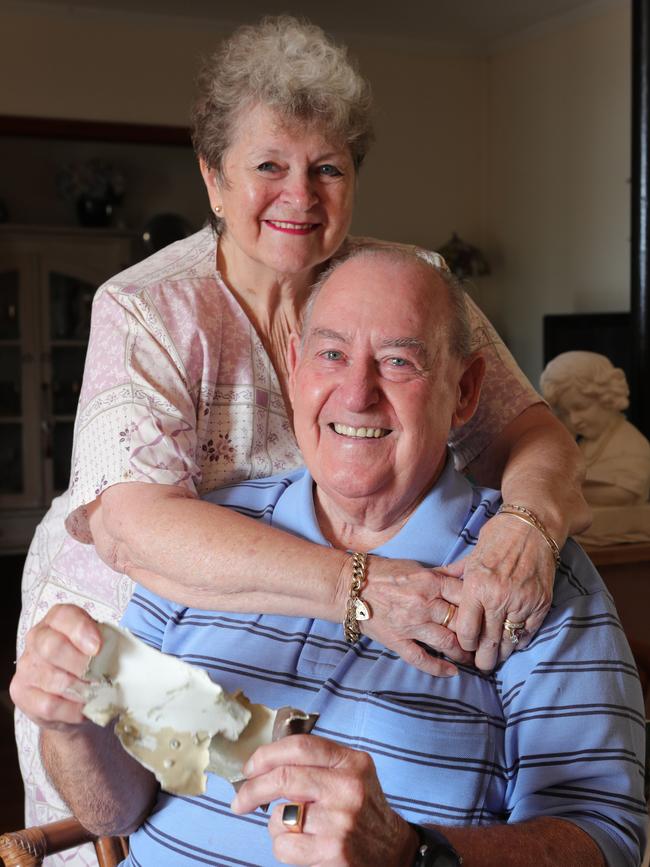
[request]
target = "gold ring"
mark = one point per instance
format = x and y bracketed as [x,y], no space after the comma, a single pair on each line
[449,615]
[514,630]
[293,816]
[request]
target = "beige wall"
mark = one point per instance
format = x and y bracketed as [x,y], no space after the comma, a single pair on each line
[524,151]
[558,177]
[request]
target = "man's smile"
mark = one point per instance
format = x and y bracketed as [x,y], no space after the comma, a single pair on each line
[359,432]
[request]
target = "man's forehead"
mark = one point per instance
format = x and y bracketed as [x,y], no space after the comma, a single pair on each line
[393,297]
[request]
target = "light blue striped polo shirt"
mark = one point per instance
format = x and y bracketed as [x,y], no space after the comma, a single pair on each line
[557,730]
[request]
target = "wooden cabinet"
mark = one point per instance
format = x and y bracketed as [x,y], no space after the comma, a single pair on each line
[48,277]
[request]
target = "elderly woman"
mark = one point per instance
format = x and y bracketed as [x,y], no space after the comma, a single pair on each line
[185,389]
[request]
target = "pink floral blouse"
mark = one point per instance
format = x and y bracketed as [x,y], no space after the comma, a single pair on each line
[179,390]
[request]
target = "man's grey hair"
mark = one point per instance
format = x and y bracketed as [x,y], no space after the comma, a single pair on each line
[291,67]
[459,330]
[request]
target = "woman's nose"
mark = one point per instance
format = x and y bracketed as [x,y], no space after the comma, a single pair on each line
[300,191]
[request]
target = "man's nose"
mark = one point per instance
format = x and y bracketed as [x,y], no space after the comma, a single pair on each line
[300,190]
[360,385]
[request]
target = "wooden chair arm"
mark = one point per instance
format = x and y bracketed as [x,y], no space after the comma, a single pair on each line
[28,847]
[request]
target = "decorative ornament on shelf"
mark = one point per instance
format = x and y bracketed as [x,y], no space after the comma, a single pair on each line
[95,186]
[463,259]
[163,229]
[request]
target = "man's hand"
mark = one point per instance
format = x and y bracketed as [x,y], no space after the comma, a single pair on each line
[510,575]
[409,605]
[347,821]
[48,685]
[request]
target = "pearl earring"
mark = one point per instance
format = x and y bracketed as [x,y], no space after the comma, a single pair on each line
[217,209]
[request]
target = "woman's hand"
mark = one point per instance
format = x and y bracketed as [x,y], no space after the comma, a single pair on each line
[347,821]
[409,604]
[509,575]
[48,685]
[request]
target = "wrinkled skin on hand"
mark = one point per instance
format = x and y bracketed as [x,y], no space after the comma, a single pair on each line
[347,821]
[408,604]
[509,574]
[48,683]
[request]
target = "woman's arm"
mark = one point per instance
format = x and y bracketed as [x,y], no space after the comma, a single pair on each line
[510,574]
[200,554]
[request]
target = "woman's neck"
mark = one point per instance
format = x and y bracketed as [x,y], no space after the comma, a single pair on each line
[262,291]
[272,302]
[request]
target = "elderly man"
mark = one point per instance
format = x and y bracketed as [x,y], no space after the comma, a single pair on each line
[537,764]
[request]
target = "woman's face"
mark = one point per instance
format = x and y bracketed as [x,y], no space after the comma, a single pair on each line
[286,195]
[583,415]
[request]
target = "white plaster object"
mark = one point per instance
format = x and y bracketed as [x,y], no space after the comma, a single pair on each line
[173,718]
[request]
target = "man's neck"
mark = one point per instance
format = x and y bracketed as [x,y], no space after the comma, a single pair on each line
[364,524]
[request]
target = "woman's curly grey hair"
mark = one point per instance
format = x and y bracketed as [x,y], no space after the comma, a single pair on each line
[592,374]
[292,67]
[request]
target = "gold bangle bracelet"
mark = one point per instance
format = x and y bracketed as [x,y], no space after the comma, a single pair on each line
[356,608]
[531,518]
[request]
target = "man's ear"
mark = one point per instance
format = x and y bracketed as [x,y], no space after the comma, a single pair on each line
[293,359]
[469,389]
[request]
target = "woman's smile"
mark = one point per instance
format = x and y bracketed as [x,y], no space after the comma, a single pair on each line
[292,228]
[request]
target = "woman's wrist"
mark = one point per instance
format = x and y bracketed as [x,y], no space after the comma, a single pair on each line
[526,515]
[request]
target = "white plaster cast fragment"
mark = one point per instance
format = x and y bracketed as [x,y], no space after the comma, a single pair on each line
[173,718]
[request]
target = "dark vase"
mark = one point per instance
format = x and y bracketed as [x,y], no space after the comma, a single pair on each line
[94,212]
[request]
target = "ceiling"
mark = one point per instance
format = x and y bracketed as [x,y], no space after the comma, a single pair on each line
[472,24]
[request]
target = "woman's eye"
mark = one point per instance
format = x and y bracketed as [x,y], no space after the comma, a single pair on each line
[267,167]
[329,171]
[332,355]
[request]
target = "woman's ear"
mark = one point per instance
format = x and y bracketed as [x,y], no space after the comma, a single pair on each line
[469,389]
[293,359]
[211,182]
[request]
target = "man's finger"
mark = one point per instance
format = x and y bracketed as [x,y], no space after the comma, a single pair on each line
[77,625]
[451,587]
[456,568]
[305,750]
[487,652]
[469,622]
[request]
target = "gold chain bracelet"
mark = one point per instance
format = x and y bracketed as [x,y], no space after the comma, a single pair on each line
[531,518]
[356,608]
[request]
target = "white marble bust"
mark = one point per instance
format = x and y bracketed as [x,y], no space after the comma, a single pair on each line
[588,394]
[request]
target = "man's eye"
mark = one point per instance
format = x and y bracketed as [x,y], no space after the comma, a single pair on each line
[329,171]
[332,355]
[399,362]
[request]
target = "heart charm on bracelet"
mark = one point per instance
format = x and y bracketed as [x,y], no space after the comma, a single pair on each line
[361,610]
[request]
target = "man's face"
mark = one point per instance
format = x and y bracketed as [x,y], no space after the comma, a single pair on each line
[374,387]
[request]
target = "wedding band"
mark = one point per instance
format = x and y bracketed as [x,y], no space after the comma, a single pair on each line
[449,615]
[293,816]
[514,630]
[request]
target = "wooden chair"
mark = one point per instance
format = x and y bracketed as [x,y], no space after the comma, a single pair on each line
[27,848]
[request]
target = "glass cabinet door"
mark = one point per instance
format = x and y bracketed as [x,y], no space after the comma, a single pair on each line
[68,308]
[18,481]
